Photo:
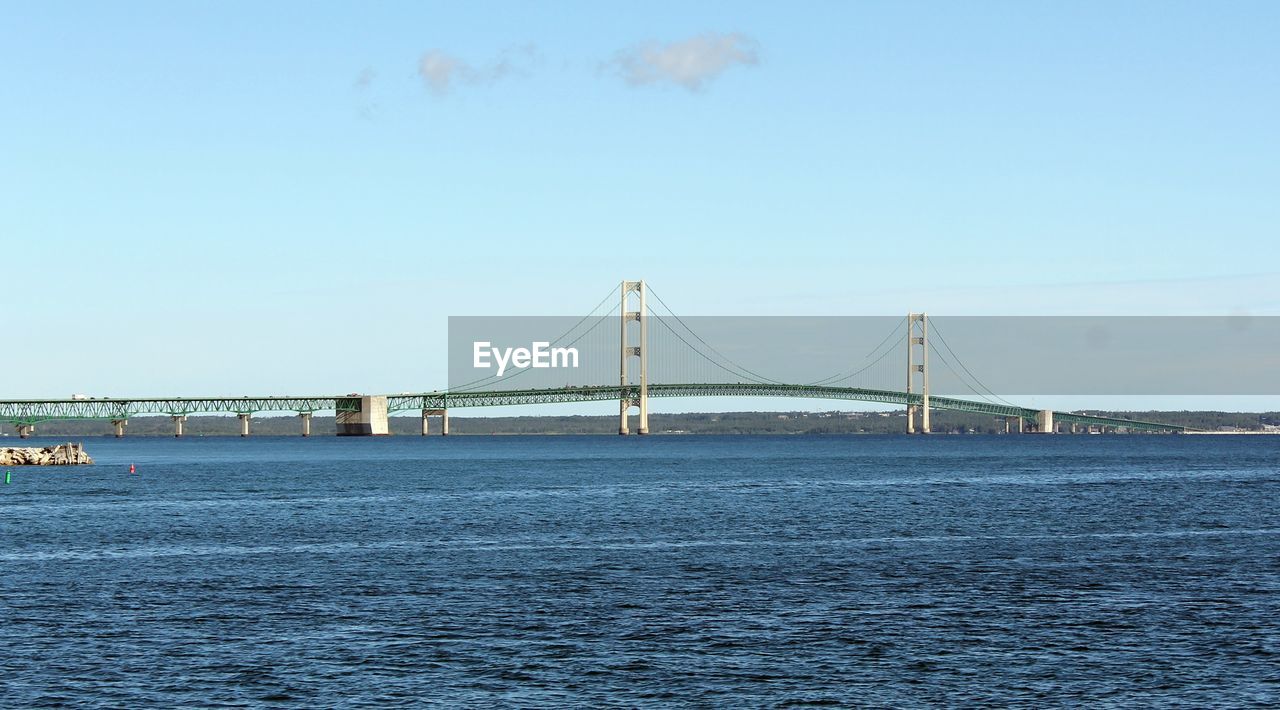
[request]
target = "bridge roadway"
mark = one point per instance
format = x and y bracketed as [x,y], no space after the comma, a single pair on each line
[479,398]
[27,413]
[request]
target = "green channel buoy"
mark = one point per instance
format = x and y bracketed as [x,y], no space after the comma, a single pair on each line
[7,475]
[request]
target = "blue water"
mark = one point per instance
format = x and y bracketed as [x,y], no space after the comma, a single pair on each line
[529,571]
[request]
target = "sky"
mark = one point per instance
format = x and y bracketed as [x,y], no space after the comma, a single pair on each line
[258,198]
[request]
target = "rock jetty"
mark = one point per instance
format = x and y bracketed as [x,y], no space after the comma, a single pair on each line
[60,455]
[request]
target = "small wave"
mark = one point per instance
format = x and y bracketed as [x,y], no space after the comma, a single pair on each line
[512,545]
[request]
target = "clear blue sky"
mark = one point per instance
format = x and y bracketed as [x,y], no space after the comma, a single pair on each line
[236,198]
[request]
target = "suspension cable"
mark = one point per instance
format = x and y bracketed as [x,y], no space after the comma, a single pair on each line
[485,381]
[959,378]
[840,377]
[857,372]
[960,362]
[761,378]
[749,376]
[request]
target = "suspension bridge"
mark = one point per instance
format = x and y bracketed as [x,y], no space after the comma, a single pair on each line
[651,352]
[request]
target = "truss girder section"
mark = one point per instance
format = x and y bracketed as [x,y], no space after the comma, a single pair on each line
[35,411]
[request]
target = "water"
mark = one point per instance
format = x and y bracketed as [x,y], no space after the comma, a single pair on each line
[596,571]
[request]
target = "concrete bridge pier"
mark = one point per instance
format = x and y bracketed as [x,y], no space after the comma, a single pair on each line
[369,420]
[178,420]
[26,430]
[119,425]
[244,423]
[444,421]
[1044,422]
[306,422]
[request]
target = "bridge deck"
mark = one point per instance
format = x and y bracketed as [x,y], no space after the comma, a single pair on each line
[480,398]
[29,412]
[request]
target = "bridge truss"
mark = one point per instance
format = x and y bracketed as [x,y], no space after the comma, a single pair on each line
[31,412]
[503,398]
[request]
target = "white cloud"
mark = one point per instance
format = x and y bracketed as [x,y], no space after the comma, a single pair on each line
[442,71]
[691,63]
[364,79]
[439,69]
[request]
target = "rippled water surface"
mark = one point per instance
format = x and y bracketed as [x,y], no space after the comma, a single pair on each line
[661,570]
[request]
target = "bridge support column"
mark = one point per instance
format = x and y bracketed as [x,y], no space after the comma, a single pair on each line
[119,425]
[178,420]
[244,423]
[370,419]
[918,335]
[444,421]
[1044,422]
[26,430]
[306,422]
[641,352]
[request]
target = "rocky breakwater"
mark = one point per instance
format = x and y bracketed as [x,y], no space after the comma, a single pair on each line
[60,455]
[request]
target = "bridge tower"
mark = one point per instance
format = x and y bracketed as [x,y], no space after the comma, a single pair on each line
[918,336]
[640,352]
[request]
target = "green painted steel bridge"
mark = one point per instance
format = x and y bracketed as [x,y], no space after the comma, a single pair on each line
[29,412]
[674,341]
